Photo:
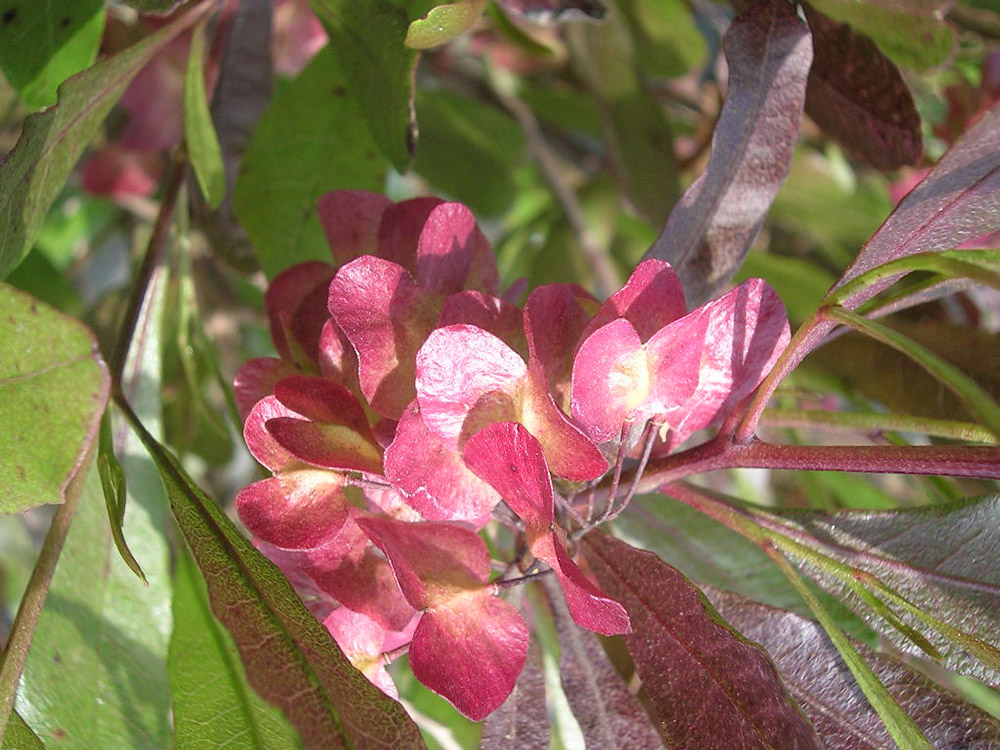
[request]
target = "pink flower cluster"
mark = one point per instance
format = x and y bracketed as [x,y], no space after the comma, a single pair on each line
[410,398]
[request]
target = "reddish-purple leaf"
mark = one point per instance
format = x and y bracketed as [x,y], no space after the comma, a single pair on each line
[588,605]
[433,478]
[322,401]
[296,313]
[399,231]
[609,715]
[710,230]
[811,667]
[450,248]
[386,317]
[290,658]
[490,313]
[256,379]
[328,446]
[857,95]
[958,201]
[350,220]
[260,442]
[706,687]
[337,359]
[294,510]
[522,721]
[363,642]
[555,316]
[651,298]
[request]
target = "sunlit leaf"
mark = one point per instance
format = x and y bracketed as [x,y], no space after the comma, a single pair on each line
[43,44]
[691,664]
[199,133]
[213,706]
[312,139]
[53,387]
[290,658]
[811,668]
[443,22]
[769,51]
[368,39]
[19,735]
[34,172]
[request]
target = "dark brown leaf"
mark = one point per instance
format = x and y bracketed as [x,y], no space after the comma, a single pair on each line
[821,682]
[522,721]
[856,94]
[609,715]
[710,230]
[707,687]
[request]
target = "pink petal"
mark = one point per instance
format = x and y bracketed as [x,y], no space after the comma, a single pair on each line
[676,364]
[322,401]
[433,562]
[360,638]
[386,317]
[446,247]
[388,502]
[466,378]
[329,446]
[470,652]
[260,442]
[490,313]
[651,298]
[256,379]
[337,360]
[433,478]
[399,231]
[509,457]
[289,316]
[747,329]
[350,220]
[295,510]
[569,452]
[555,316]
[611,380]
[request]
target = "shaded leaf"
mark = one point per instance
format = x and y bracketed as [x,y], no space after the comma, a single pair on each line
[813,671]
[957,201]
[19,735]
[152,6]
[857,95]
[369,39]
[311,140]
[53,388]
[43,44]
[35,171]
[693,665]
[113,484]
[609,715]
[549,11]
[710,230]
[521,721]
[199,132]
[912,32]
[937,557]
[213,706]
[290,658]
[667,40]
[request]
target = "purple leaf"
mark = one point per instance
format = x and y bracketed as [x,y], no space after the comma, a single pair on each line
[856,94]
[812,669]
[522,721]
[710,230]
[609,715]
[350,220]
[958,201]
[294,510]
[706,687]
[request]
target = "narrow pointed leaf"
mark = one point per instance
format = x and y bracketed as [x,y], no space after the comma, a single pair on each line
[35,171]
[199,132]
[310,140]
[20,737]
[43,44]
[691,663]
[113,483]
[957,201]
[369,41]
[710,230]
[857,95]
[213,705]
[290,658]
[811,667]
[522,721]
[609,715]
[938,558]
[53,387]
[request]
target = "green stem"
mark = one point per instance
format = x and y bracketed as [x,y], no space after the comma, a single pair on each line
[874,422]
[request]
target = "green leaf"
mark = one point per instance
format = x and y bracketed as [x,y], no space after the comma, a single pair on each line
[311,140]
[667,41]
[443,23]
[43,44]
[33,174]
[912,32]
[199,132]
[213,705]
[53,388]
[469,151]
[369,39]
[113,483]
[19,735]
[290,658]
